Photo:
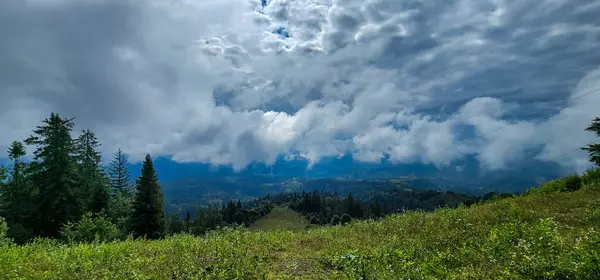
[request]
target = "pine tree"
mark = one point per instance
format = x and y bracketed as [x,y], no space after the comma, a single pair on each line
[148,218]
[174,224]
[54,174]
[92,178]
[120,179]
[594,149]
[18,197]
[9,190]
[188,222]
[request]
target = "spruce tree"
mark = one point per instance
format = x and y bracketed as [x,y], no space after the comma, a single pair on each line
[9,191]
[188,222]
[18,196]
[120,179]
[148,218]
[92,177]
[54,174]
[594,149]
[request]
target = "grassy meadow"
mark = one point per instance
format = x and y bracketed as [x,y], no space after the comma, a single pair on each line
[281,219]
[545,234]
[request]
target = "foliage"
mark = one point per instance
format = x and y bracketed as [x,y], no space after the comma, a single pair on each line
[92,177]
[148,218]
[594,149]
[17,196]
[174,225]
[120,178]
[90,229]
[572,183]
[535,236]
[345,219]
[3,228]
[120,210]
[591,176]
[335,220]
[54,174]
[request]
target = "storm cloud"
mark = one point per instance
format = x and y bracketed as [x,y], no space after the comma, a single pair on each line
[237,81]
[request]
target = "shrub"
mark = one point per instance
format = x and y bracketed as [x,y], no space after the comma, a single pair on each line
[346,219]
[90,229]
[335,220]
[314,220]
[3,228]
[591,176]
[3,231]
[240,218]
[572,183]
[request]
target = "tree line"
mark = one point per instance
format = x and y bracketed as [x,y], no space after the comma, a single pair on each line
[211,217]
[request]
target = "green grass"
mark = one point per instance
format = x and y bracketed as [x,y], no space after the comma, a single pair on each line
[280,218]
[537,236]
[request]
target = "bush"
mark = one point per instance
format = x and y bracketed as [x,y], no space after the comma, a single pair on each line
[335,220]
[240,218]
[591,176]
[346,219]
[314,220]
[572,183]
[91,229]
[3,228]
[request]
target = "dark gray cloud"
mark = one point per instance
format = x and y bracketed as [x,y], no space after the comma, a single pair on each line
[212,82]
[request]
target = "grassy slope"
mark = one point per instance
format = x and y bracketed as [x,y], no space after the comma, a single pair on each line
[280,218]
[540,235]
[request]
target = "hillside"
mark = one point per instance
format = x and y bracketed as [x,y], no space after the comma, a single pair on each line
[280,218]
[543,235]
[407,192]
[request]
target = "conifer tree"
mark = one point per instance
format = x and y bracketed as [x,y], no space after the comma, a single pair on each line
[54,174]
[9,191]
[120,178]
[594,149]
[188,222]
[148,218]
[18,196]
[92,177]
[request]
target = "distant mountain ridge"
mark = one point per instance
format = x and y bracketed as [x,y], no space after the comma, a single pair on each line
[187,184]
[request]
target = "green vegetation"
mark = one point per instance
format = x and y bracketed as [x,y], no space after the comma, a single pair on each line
[148,218]
[281,218]
[540,235]
[594,149]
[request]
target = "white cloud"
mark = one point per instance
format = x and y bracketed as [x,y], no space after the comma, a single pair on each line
[211,81]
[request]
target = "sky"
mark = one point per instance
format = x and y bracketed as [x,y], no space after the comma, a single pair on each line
[231,82]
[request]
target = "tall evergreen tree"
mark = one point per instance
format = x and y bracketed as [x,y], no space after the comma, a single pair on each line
[188,222]
[594,149]
[92,177]
[54,174]
[9,193]
[148,217]
[120,179]
[18,196]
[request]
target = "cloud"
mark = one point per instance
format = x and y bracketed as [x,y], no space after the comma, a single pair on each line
[232,82]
